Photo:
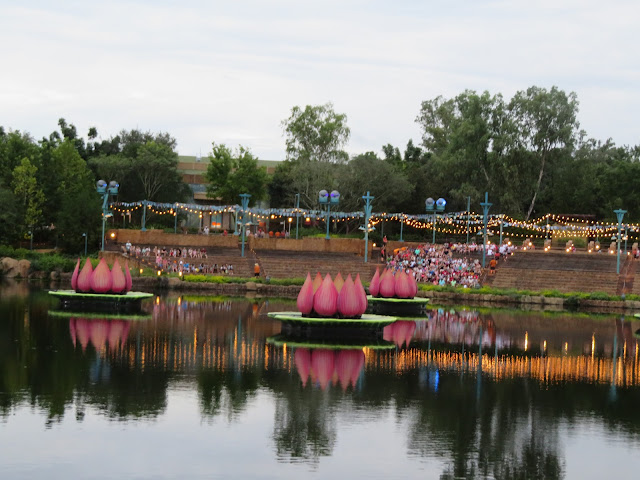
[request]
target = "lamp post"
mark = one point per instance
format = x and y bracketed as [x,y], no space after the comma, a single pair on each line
[468,217]
[485,212]
[324,198]
[245,204]
[367,214]
[85,244]
[620,214]
[435,207]
[30,239]
[290,220]
[175,218]
[401,225]
[105,190]
[297,213]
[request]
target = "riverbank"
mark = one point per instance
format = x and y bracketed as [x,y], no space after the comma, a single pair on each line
[459,297]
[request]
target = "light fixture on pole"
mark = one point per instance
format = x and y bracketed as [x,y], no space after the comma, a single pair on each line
[620,214]
[485,212]
[367,214]
[326,199]
[435,207]
[245,204]
[105,190]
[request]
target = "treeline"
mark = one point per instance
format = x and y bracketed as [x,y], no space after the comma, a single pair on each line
[528,152]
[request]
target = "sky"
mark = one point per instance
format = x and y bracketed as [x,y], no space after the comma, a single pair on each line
[230,72]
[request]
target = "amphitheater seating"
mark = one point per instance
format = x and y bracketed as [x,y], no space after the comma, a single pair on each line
[537,270]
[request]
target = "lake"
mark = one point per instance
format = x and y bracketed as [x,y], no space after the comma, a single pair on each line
[206,387]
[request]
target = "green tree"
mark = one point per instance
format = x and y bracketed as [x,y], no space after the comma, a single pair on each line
[231,173]
[29,194]
[316,133]
[9,218]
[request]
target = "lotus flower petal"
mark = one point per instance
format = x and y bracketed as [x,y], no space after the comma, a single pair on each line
[338,282]
[317,282]
[403,286]
[409,332]
[346,362]
[364,303]
[101,278]
[84,278]
[99,332]
[127,277]
[414,285]
[374,286]
[325,300]
[125,333]
[302,359]
[322,363]
[118,280]
[349,302]
[74,277]
[387,285]
[115,333]
[388,331]
[82,332]
[305,297]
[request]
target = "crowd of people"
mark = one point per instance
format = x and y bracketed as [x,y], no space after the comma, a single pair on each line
[437,265]
[179,259]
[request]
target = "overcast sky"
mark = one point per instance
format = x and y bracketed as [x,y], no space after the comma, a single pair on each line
[230,71]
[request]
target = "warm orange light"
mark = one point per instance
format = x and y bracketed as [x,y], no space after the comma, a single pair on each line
[140,271]
[159,273]
[113,234]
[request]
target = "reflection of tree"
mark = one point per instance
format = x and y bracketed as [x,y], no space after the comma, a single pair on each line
[227,391]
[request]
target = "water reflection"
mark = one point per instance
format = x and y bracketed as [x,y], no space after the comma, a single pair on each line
[478,393]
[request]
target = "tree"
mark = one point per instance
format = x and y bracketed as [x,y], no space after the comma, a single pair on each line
[547,126]
[231,173]
[156,167]
[29,195]
[316,133]
[9,218]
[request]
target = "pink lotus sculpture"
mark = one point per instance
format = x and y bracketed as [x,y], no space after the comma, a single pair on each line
[326,301]
[101,280]
[324,366]
[390,285]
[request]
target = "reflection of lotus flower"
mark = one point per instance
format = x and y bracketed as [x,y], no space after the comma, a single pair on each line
[338,282]
[101,278]
[84,277]
[349,303]
[302,358]
[387,332]
[82,332]
[403,287]
[387,284]
[361,294]
[99,332]
[322,364]
[305,297]
[355,373]
[125,333]
[118,280]
[115,333]
[74,277]
[127,277]
[325,300]
[374,286]
[317,282]
[72,330]
[403,332]
[347,361]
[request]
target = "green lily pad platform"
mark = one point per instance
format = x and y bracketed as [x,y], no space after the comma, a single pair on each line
[129,302]
[99,316]
[368,326]
[402,307]
[347,344]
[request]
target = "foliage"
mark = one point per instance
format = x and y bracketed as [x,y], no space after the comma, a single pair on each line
[231,173]
[30,197]
[316,133]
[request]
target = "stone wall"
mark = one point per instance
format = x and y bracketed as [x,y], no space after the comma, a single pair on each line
[306,244]
[160,238]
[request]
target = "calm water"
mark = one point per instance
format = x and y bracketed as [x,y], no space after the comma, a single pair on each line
[202,389]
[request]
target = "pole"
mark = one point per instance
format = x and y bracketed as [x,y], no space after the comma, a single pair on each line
[620,214]
[328,220]
[501,220]
[104,220]
[245,204]
[485,210]
[626,237]
[297,213]
[401,224]
[175,220]
[85,244]
[31,240]
[367,213]
[434,227]
[144,218]
[468,217]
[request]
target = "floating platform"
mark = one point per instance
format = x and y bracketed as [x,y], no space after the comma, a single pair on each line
[402,307]
[367,326]
[100,316]
[129,302]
